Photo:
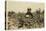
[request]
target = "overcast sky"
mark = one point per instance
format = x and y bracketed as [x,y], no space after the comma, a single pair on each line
[22,6]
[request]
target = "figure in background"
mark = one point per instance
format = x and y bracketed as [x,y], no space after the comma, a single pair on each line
[29,14]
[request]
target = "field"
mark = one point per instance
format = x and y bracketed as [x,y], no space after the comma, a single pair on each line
[19,21]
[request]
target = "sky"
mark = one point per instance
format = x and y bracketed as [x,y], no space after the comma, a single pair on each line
[22,6]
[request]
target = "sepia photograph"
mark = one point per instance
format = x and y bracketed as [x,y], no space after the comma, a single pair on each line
[23,15]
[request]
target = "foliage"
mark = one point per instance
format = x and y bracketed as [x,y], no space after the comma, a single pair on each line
[36,22]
